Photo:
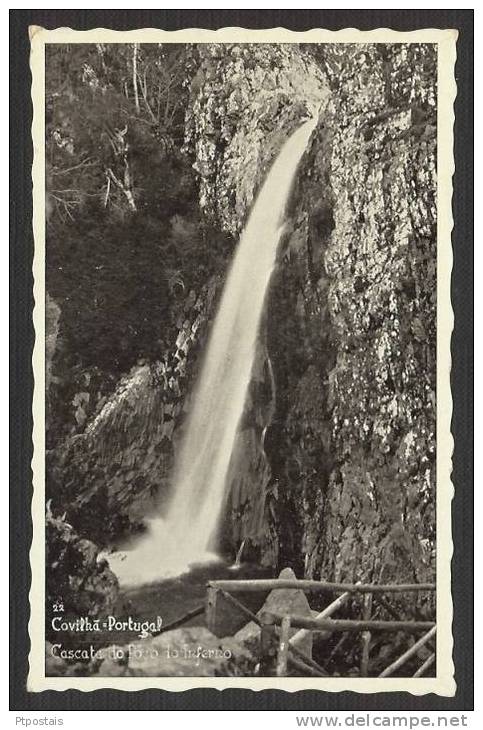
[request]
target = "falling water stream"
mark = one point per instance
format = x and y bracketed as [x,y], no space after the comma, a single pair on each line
[187,533]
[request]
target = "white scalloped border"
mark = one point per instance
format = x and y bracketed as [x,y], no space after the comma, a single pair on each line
[444,684]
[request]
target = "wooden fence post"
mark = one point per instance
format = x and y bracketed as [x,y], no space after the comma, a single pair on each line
[366,635]
[282,656]
[268,646]
[210,609]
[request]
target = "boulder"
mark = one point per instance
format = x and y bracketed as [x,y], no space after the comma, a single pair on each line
[192,651]
[285,601]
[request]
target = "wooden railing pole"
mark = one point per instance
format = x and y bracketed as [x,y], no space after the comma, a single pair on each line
[210,609]
[305,667]
[268,646]
[282,656]
[366,635]
[277,651]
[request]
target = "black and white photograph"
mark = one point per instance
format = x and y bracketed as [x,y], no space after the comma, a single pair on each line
[242,447]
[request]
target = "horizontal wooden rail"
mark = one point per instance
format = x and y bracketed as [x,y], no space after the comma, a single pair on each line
[270,584]
[306,667]
[303,622]
[408,654]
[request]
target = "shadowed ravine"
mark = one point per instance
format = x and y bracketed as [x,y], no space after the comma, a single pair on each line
[188,532]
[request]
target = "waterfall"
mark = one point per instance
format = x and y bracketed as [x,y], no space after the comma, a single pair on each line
[187,533]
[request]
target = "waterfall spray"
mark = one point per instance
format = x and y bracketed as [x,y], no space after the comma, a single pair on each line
[188,532]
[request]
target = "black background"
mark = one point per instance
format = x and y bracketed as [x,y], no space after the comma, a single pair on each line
[22,338]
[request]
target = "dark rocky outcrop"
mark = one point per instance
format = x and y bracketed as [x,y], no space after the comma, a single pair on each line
[281,601]
[78,582]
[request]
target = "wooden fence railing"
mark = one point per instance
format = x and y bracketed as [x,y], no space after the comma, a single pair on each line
[278,649]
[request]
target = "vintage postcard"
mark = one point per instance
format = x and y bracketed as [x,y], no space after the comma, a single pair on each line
[242,445]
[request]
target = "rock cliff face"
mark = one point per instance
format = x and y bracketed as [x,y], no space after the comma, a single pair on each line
[246,99]
[348,348]
[375,516]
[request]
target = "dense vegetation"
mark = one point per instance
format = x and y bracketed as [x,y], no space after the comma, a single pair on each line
[125,239]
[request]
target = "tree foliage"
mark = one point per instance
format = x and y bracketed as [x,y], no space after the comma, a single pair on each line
[124,234]
[109,111]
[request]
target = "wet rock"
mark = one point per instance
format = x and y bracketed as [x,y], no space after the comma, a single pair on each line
[88,552]
[54,665]
[76,581]
[245,103]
